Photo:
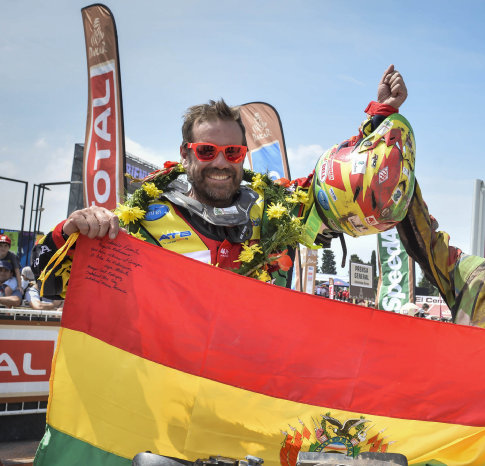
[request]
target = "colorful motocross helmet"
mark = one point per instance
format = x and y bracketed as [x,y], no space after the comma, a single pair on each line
[367,188]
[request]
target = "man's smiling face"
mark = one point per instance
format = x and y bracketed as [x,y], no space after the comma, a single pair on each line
[214,183]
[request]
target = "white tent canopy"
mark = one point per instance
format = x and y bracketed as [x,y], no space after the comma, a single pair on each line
[323,277]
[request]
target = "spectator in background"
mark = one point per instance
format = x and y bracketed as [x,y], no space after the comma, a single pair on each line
[28,278]
[32,296]
[10,294]
[423,312]
[6,254]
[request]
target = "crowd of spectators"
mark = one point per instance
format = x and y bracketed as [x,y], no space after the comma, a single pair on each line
[10,294]
[9,256]
[19,289]
[340,293]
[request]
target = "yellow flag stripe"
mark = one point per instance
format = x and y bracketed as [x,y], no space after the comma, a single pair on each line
[124,404]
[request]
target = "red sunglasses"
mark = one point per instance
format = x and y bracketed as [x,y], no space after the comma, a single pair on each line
[206,151]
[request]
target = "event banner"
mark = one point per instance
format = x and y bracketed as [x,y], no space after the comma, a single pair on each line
[104,147]
[396,272]
[188,360]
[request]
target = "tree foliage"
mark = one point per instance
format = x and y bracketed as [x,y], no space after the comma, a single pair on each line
[328,262]
[425,283]
[355,259]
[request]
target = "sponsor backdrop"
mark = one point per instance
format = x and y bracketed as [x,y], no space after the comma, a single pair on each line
[396,273]
[104,148]
[206,371]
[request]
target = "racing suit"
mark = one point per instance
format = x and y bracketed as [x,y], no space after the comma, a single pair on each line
[460,278]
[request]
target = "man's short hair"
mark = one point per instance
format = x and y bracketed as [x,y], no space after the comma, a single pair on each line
[425,306]
[209,112]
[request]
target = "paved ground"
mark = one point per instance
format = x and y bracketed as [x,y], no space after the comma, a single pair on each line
[20,452]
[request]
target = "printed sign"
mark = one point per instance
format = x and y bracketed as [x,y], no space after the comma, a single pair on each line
[25,359]
[361,283]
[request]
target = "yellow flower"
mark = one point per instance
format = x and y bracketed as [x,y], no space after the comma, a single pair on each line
[276,210]
[248,252]
[296,221]
[258,181]
[138,235]
[293,199]
[299,196]
[151,190]
[302,196]
[129,214]
[264,276]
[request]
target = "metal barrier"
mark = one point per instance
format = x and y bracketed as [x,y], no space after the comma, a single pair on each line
[24,407]
[22,313]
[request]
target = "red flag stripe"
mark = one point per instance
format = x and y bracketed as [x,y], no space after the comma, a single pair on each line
[212,323]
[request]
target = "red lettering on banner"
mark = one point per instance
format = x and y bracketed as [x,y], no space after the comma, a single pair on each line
[26,360]
[101,164]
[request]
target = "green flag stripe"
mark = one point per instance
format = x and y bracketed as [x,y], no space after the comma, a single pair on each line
[58,449]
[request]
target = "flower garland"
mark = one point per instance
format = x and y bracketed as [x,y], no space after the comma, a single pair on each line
[280,227]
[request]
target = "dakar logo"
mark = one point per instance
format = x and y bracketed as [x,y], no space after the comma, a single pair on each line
[260,128]
[331,436]
[97,40]
[98,34]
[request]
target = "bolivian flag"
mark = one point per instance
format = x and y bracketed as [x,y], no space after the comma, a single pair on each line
[159,352]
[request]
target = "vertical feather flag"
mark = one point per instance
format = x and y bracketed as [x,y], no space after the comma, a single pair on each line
[104,147]
[267,153]
[163,353]
[396,285]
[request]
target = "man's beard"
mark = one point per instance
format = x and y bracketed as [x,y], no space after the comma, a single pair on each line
[208,192]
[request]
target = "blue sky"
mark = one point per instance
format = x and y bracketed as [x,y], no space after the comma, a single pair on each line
[317,62]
